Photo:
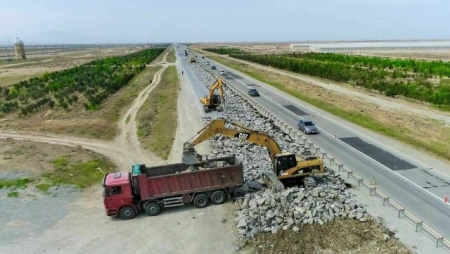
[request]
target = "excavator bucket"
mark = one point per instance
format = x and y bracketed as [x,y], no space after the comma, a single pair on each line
[271,180]
[190,158]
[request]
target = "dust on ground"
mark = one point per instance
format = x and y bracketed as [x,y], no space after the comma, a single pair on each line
[340,236]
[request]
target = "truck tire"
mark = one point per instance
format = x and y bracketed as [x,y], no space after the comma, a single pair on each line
[152,209]
[127,212]
[201,201]
[218,197]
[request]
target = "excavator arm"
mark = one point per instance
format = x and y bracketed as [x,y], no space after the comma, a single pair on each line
[218,127]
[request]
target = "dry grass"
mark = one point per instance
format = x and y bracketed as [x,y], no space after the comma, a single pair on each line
[340,236]
[423,133]
[171,56]
[157,118]
[80,122]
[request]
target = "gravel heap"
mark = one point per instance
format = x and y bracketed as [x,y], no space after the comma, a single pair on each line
[326,198]
[268,212]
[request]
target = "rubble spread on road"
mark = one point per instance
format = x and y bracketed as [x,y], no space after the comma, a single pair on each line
[326,199]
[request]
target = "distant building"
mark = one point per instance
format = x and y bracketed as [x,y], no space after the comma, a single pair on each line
[19,49]
[357,47]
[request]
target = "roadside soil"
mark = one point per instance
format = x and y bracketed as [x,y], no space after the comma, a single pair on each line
[31,158]
[340,236]
[421,126]
[25,159]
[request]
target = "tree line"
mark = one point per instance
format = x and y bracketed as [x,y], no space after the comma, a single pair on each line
[95,80]
[391,77]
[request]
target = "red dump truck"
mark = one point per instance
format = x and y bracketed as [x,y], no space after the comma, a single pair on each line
[150,189]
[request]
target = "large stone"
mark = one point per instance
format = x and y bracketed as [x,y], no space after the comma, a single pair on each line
[275,229]
[283,201]
[261,201]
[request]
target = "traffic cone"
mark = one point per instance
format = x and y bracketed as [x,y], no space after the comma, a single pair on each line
[446,198]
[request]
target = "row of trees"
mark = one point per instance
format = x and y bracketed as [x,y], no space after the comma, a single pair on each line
[377,79]
[96,80]
[438,68]
[409,78]
[225,51]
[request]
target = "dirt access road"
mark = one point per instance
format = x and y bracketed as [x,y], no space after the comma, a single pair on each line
[86,228]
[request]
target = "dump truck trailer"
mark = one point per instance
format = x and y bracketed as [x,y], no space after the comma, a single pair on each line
[151,189]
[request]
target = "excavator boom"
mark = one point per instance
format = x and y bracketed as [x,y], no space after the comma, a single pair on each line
[286,167]
[218,127]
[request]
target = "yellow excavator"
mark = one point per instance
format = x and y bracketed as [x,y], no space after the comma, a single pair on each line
[288,168]
[214,101]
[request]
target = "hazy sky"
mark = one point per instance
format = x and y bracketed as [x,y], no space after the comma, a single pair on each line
[101,21]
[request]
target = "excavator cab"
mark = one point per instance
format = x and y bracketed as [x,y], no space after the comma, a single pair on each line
[284,162]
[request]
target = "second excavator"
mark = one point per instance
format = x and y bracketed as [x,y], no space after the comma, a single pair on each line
[288,168]
[214,101]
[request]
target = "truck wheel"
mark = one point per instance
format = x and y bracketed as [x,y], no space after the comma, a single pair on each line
[127,212]
[201,201]
[218,197]
[152,209]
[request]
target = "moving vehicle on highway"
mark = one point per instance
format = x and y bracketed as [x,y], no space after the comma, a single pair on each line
[253,92]
[307,126]
[151,189]
[222,72]
[207,63]
[288,168]
[213,67]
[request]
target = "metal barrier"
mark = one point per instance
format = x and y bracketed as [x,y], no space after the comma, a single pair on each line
[373,191]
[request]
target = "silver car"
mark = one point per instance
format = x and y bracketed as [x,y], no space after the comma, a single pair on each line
[307,126]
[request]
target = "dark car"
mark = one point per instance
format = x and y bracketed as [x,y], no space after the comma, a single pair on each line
[307,126]
[213,67]
[203,57]
[253,92]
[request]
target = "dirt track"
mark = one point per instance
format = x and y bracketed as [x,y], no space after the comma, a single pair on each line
[86,229]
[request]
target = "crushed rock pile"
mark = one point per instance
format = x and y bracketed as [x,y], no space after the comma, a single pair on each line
[326,199]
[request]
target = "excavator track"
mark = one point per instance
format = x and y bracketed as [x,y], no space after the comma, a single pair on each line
[271,180]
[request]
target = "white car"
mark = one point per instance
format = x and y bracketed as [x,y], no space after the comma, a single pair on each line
[207,63]
[222,72]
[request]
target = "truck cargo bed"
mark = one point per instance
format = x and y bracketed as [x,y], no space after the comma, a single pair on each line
[172,180]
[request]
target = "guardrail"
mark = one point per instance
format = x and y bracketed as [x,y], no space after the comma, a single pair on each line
[351,175]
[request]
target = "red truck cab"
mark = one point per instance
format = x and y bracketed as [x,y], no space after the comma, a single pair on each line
[117,193]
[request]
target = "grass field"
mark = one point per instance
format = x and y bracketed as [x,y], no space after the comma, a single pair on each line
[157,118]
[171,57]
